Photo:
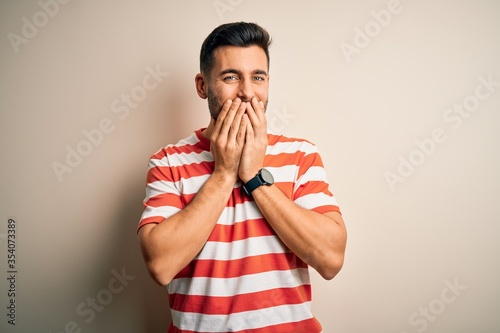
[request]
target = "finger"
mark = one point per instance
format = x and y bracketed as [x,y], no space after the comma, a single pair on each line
[258,124]
[226,121]
[249,130]
[242,132]
[258,119]
[222,115]
[261,113]
[229,118]
[235,125]
[252,115]
[258,106]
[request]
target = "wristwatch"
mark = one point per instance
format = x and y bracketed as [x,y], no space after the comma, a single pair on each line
[263,177]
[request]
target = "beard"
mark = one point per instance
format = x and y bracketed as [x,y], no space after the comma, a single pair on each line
[215,107]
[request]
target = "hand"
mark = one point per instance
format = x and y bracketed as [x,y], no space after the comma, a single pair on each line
[228,138]
[254,150]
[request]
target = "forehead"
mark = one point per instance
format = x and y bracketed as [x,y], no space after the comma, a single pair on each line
[245,59]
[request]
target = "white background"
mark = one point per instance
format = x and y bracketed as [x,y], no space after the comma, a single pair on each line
[435,226]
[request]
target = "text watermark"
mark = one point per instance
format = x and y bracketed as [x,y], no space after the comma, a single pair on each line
[422,318]
[88,308]
[31,26]
[12,270]
[121,108]
[223,6]
[363,36]
[454,116]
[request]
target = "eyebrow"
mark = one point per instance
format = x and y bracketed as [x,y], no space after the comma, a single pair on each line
[238,72]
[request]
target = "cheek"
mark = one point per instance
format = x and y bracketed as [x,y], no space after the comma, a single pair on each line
[261,94]
[224,93]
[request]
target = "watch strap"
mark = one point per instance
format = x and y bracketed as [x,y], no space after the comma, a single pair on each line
[263,177]
[252,184]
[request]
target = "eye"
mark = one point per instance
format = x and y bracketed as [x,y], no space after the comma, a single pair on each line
[230,78]
[258,78]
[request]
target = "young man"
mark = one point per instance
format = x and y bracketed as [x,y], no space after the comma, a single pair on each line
[234,216]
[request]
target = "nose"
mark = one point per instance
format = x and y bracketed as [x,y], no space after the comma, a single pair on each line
[245,91]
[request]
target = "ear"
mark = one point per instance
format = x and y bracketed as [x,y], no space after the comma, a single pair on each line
[201,85]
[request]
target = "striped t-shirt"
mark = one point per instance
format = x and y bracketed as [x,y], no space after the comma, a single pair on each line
[244,279]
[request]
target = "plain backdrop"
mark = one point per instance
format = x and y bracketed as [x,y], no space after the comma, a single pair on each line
[401,97]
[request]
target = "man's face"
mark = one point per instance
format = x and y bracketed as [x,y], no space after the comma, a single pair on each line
[238,72]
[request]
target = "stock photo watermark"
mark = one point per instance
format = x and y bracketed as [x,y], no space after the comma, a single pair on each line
[422,318]
[12,270]
[120,108]
[371,29]
[278,119]
[223,6]
[454,117]
[88,308]
[31,25]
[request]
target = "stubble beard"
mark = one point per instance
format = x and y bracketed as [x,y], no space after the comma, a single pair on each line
[215,107]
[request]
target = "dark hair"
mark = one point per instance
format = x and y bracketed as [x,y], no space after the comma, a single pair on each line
[241,34]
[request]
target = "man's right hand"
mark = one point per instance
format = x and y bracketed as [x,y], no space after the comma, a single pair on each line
[228,138]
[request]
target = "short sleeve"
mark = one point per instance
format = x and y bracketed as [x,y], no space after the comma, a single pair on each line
[163,198]
[311,189]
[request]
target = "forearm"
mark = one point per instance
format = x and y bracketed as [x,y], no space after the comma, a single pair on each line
[169,246]
[318,239]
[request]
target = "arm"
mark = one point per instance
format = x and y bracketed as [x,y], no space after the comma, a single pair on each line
[318,239]
[169,246]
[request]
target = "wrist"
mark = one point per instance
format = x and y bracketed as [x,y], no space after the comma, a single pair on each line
[262,177]
[223,179]
[247,176]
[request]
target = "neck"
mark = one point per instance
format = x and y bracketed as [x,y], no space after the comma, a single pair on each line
[207,132]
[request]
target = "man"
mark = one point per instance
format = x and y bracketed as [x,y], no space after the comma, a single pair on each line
[233,215]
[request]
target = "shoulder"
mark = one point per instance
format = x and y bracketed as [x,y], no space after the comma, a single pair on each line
[290,144]
[185,146]
[173,161]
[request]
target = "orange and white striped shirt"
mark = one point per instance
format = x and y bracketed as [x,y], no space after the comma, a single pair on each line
[244,279]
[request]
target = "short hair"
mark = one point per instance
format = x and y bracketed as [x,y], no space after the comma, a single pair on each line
[240,34]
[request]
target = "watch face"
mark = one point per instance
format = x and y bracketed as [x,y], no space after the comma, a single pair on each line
[267,176]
